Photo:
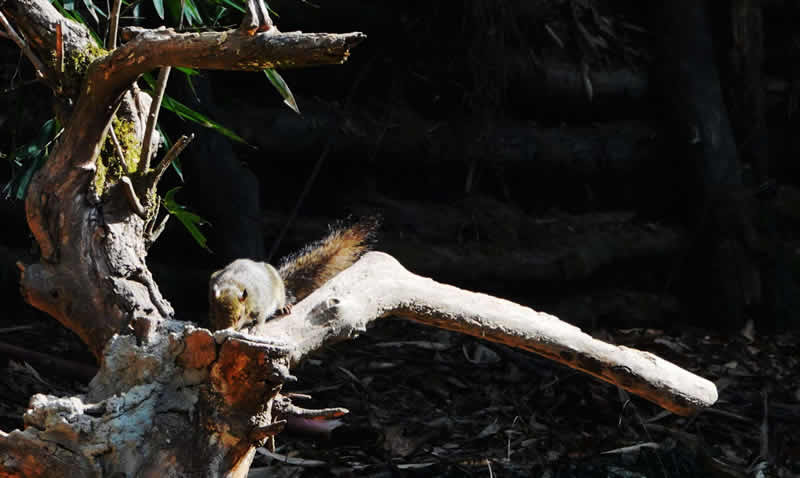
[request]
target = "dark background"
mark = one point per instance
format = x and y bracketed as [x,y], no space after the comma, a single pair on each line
[539,151]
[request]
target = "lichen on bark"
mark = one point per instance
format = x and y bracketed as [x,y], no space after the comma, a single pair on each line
[109,165]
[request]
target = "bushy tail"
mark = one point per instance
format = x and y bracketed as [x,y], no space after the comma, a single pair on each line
[306,270]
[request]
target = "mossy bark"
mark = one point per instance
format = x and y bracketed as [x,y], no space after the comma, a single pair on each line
[93,276]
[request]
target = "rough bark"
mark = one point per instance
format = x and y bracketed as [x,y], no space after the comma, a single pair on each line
[172,399]
[193,403]
[93,277]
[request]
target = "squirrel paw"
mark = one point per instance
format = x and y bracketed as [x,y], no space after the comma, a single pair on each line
[285,310]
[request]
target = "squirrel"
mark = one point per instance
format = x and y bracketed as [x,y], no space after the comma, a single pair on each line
[247,291]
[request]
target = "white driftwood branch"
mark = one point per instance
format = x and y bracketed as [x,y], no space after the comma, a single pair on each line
[195,403]
[378,286]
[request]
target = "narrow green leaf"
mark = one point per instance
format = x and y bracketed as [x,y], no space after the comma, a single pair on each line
[190,84]
[233,5]
[159,6]
[27,159]
[278,82]
[78,18]
[191,13]
[271,11]
[184,112]
[190,220]
[220,12]
[186,71]
[69,11]
[94,10]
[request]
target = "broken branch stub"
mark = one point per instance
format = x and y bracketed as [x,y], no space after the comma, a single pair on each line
[169,400]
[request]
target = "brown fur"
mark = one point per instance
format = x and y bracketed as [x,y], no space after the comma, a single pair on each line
[306,270]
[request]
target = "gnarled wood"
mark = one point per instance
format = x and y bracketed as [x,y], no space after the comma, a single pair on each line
[195,403]
[93,277]
[172,399]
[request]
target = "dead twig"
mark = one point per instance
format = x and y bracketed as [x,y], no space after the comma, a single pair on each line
[113,25]
[176,149]
[41,70]
[152,116]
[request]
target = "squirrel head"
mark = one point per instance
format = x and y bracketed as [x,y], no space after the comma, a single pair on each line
[227,304]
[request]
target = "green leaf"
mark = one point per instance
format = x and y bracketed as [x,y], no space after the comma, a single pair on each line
[159,6]
[183,111]
[220,12]
[27,159]
[191,13]
[278,82]
[190,220]
[93,10]
[68,10]
[186,71]
[232,4]
[184,9]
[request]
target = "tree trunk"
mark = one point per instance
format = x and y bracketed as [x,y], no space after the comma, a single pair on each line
[172,399]
[722,212]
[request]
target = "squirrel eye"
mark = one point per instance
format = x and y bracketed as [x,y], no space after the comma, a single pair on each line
[243,297]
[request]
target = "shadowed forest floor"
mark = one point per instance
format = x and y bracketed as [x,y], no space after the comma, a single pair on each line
[425,402]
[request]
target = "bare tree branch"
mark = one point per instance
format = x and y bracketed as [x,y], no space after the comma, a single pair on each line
[152,116]
[113,25]
[41,69]
[171,155]
[378,286]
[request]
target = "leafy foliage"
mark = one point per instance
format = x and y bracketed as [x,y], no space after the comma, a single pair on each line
[278,82]
[159,6]
[171,104]
[190,220]
[177,12]
[27,159]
